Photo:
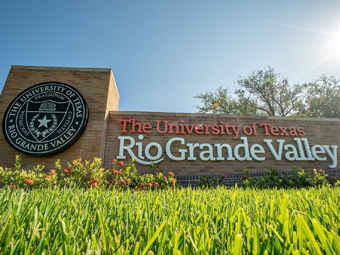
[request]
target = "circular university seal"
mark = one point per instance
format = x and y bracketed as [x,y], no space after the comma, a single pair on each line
[45,119]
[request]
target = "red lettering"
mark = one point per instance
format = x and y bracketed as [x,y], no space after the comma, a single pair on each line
[273,130]
[254,128]
[198,129]
[215,129]
[301,132]
[206,129]
[182,127]
[247,132]
[266,126]
[134,124]
[283,129]
[165,128]
[236,130]
[187,128]
[124,123]
[145,127]
[227,129]
[292,131]
[170,129]
[222,130]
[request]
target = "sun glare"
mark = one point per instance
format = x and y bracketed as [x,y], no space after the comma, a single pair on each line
[333,45]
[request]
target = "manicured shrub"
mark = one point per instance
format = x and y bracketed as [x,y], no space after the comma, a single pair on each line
[28,179]
[299,179]
[86,174]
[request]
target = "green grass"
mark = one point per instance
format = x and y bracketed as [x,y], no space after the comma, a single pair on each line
[212,221]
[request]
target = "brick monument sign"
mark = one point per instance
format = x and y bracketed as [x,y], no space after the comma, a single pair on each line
[51,113]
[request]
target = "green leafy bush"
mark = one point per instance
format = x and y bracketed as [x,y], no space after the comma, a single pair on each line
[125,177]
[299,179]
[208,182]
[86,175]
[28,179]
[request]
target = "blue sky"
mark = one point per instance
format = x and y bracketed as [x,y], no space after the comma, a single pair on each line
[162,53]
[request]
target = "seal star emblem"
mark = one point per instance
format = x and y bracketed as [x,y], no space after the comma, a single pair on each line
[43,122]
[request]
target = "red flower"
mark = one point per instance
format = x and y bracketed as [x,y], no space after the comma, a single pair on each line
[128,180]
[84,167]
[142,185]
[114,161]
[172,181]
[112,170]
[246,176]
[95,180]
[119,172]
[28,181]
[242,179]
[115,172]
[136,188]
[122,183]
[293,178]
[172,188]
[14,186]
[143,188]
[114,180]
[103,173]
[149,184]
[93,184]
[47,176]
[321,171]
[67,171]
[52,173]
[164,177]
[223,176]
[156,184]
[121,163]
[204,179]
[72,161]
[171,174]
[79,160]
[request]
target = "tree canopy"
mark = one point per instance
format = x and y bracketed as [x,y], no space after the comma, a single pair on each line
[264,92]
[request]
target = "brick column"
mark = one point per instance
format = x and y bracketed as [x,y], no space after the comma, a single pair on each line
[97,86]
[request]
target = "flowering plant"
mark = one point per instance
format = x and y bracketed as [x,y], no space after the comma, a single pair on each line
[125,176]
[27,179]
[87,175]
[299,179]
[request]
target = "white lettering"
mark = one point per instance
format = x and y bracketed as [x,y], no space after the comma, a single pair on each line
[257,148]
[182,151]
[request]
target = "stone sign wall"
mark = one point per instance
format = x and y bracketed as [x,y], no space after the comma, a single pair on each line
[184,143]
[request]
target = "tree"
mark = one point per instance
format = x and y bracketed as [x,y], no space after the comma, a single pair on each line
[322,98]
[221,101]
[263,92]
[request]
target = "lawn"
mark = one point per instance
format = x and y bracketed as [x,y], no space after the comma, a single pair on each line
[187,221]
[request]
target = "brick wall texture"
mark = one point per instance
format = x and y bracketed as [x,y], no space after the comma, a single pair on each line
[100,138]
[317,131]
[97,87]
